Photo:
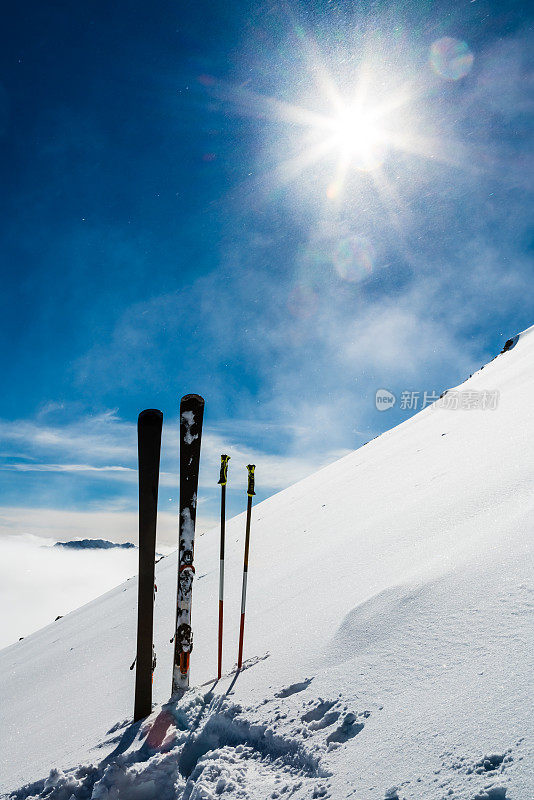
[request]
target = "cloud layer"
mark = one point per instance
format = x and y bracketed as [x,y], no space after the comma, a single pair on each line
[30,568]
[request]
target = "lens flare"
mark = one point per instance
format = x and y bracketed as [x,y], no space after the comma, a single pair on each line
[451,58]
[303,301]
[354,258]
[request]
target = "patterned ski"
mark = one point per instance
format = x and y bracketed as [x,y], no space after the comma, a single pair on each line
[191,416]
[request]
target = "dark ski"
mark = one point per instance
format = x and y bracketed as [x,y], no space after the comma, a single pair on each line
[191,416]
[149,427]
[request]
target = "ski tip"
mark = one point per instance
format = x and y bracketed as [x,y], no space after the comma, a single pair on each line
[192,397]
[151,415]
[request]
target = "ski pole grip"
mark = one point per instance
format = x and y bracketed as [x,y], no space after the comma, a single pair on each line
[223,479]
[250,490]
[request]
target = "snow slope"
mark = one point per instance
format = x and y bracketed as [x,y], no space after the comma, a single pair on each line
[388,637]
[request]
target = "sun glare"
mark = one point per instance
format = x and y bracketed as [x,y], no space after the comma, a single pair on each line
[357,138]
[348,122]
[357,134]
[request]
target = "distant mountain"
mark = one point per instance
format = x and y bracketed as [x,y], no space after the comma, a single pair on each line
[93,544]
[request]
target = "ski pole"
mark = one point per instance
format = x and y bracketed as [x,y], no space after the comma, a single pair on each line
[250,493]
[222,481]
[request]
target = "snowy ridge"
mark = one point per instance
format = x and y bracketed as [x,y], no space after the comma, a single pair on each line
[94,544]
[389,637]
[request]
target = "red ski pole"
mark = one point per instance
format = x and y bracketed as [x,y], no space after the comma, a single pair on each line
[250,493]
[222,481]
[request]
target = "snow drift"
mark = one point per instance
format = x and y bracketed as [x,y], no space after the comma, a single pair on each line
[388,636]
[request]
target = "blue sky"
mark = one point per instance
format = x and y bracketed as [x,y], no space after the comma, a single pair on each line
[180,211]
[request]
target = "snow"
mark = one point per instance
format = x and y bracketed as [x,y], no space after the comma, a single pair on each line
[388,637]
[187,531]
[188,420]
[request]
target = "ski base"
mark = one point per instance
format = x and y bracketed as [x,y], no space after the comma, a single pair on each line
[180,675]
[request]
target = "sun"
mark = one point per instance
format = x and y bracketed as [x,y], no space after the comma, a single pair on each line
[356,131]
[357,137]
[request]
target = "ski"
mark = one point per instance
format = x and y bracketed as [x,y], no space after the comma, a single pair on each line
[191,416]
[149,426]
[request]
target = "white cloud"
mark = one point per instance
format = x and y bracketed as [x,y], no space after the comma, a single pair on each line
[107,436]
[98,437]
[62,580]
[63,468]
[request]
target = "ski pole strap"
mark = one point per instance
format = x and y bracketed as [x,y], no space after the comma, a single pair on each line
[223,479]
[250,490]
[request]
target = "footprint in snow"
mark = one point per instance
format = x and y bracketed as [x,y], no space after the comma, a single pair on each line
[347,730]
[325,722]
[496,792]
[317,713]
[320,716]
[294,688]
[494,762]
[324,714]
